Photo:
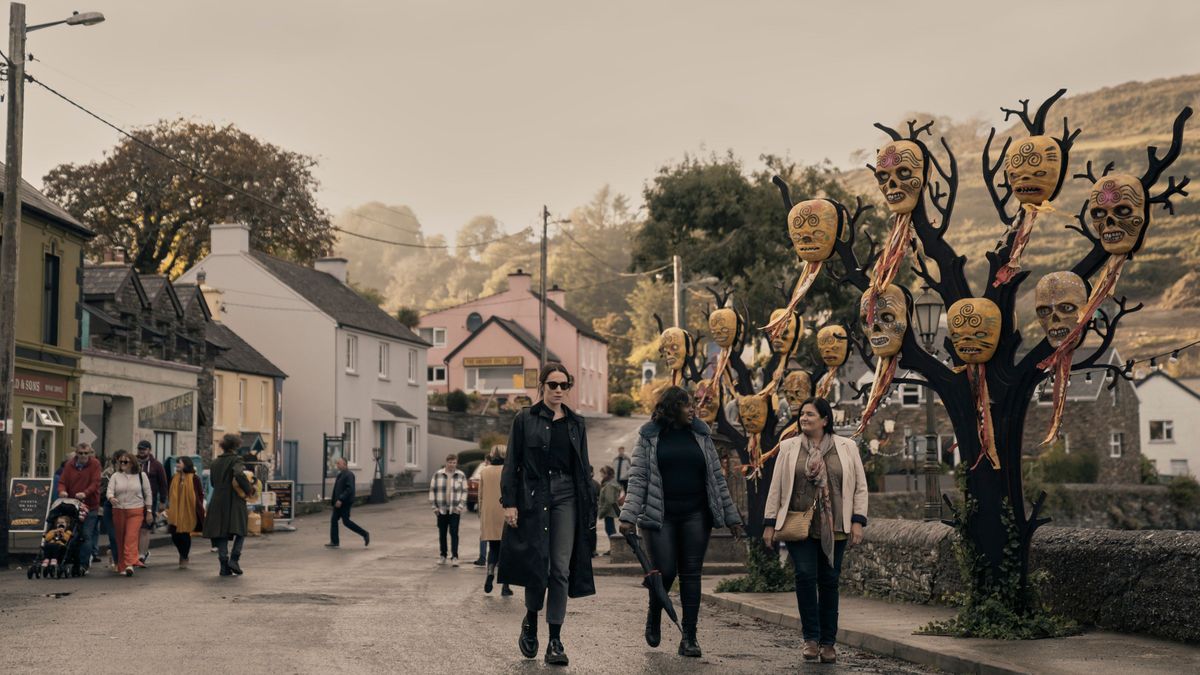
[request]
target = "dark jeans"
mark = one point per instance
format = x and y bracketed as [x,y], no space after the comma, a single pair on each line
[562,545]
[678,549]
[183,543]
[448,522]
[817,588]
[343,514]
[89,538]
[222,544]
[610,527]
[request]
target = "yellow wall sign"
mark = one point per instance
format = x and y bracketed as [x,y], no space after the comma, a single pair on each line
[531,375]
[488,361]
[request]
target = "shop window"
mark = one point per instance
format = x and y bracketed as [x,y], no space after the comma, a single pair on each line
[50,283]
[39,432]
[164,444]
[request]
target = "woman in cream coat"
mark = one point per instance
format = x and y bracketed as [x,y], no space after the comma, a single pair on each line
[818,467]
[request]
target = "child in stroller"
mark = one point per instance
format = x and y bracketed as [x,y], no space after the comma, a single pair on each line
[60,544]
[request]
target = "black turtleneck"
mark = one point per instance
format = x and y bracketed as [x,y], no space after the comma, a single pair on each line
[681,463]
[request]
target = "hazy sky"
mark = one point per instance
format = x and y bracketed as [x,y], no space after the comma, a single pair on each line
[465,108]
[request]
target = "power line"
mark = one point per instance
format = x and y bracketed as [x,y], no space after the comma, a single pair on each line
[429,246]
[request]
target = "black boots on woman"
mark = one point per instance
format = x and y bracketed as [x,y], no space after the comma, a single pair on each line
[688,645]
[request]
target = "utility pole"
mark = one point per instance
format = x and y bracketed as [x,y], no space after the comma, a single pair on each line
[9,238]
[677,288]
[542,285]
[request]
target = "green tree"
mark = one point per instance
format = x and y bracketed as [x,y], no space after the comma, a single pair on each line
[160,212]
[371,262]
[408,316]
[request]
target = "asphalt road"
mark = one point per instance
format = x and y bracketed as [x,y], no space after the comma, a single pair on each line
[390,608]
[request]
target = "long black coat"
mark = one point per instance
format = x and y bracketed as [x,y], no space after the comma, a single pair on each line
[524,484]
[226,510]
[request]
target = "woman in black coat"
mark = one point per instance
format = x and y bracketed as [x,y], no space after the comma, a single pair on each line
[548,504]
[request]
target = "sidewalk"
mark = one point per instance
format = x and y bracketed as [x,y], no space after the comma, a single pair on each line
[887,628]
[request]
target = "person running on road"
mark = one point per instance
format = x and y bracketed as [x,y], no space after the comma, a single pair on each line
[343,499]
[549,512]
[448,495]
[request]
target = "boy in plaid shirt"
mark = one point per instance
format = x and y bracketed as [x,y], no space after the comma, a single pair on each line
[448,494]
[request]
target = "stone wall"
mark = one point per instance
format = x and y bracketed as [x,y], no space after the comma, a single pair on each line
[1118,507]
[468,427]
[1138,582]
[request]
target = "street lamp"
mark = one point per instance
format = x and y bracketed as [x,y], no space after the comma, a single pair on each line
[10,232]
[928,308]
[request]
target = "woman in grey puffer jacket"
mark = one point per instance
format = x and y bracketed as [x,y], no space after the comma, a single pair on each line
[676,495]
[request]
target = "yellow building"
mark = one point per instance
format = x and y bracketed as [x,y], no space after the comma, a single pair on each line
[247,396]
[45,406]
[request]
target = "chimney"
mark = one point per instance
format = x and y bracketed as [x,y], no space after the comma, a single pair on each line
[557,295]
[519,281]
[229,239]
[114,256]
[334,267]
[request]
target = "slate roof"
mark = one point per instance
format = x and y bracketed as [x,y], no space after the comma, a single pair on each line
[104,280]
[189,294]
[238,356]
[34,200]
[155,285]
[579,324]
[336,299]
[527,340]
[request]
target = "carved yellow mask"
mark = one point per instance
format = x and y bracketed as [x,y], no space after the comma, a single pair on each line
[833,345]
[1117,207]
[752,410]
[1034,169]
[886,334]
[785,342]
[708,410]
[974,325]
[673,346]
[813,228]
[723,324]
[1061,297]
[797,388]
[900,172]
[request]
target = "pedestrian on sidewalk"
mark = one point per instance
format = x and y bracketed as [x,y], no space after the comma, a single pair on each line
[621,467]
[106,508]
[185,508]
[448,495]
[130,497]
[548,511]
[154,471]
[343,500]
[821,473]
[610,495]
[227,518]
[677,495]
[81,480]
[491,516]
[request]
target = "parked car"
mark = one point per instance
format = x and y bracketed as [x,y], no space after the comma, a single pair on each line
[473,486]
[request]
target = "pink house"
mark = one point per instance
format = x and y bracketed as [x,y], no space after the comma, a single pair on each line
[491,345]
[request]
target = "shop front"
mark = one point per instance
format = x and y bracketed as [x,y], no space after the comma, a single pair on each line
[45,420]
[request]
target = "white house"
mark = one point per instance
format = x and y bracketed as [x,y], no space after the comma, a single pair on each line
[1170,424]
[353,370]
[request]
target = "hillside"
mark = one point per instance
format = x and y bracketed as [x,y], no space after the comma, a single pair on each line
[1118,123]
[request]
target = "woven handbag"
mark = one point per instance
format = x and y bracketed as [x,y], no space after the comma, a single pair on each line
[796,525]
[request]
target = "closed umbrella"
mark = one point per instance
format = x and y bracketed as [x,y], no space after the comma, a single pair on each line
[653,579]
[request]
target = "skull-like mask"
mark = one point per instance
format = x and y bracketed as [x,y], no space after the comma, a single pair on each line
[900,172]
[786,340]
[813,227]
[797,388]
[1061,297]
[1034,168]
[707,411]
[752,410]
[833,345]
[974,329]
[1118,210]
[673,346]
[886,334]
[723,324]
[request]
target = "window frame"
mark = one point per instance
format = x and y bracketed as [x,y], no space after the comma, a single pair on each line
[351,354]
[908,390]
[413,366]
[350,428]
[432,370]
[1167,431]
[264,422]
[218,416]
[385,361]
[1116,444]
[241,403]
[410,446]
[51,297]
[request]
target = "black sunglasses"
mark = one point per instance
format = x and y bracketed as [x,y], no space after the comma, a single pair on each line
[558,385]
[124,461]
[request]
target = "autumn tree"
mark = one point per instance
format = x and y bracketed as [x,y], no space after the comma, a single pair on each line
[160,211]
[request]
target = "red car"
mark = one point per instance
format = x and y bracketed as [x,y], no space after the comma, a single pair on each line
[473,488]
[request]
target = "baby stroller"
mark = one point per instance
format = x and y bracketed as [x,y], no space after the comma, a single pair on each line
[63,557]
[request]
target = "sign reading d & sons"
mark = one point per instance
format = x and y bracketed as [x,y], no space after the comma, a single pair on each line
[173,414]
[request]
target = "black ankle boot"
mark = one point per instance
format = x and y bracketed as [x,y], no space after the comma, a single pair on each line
[225,571]
[487,582]
[528,642]
[653,626]
[234,567]
[688,645]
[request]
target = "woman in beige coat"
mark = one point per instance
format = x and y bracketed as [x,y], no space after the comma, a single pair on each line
[817,469]
[491,516]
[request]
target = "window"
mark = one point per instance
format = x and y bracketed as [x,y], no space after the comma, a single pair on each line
[350,442]
[1179,467]
[38,433]
[1116,444]
[264,419]
[384,366]
[412,366]
[241,403]
[164,444]
[496,378]
[218,418]
[434,336]
[410,445]
[474,321]
[50,274]
[436,374]
[351,354]
[1162,431]
[910,395]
